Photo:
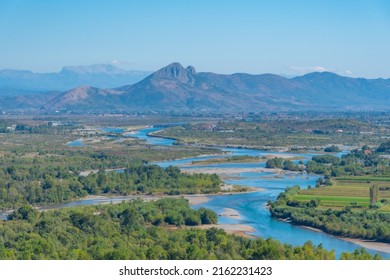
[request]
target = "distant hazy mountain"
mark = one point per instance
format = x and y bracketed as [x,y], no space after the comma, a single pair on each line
[99,75]
[183,89]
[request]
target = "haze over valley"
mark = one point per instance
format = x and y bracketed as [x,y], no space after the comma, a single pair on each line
[194,130]
[106,88]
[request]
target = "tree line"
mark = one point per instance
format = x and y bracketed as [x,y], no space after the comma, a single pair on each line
[365,224]
[37,186]
[162,229]
[363,161]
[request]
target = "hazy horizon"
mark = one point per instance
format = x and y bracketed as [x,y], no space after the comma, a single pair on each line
[288,76]
[349,38]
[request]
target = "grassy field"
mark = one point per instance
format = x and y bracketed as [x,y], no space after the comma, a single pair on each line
[348,191]
[233,159]
[295,134]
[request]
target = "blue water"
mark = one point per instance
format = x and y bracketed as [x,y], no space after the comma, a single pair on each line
[4,216]
[76,143]
[252,206]
[113,129]
[142,134]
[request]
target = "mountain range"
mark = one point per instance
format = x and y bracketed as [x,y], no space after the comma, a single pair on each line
[179,89]
[98,75]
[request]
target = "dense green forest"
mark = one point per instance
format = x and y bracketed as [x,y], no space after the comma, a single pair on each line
[38,186]
[163,229]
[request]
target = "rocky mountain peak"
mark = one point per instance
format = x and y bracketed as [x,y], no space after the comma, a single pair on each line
[191,70]
[176,71]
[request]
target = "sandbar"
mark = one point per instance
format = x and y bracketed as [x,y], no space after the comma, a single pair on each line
[228,171]
[231,213]
[237,229]
[196,199]
[372,245]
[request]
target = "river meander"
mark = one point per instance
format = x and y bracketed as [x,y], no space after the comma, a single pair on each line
[251,206]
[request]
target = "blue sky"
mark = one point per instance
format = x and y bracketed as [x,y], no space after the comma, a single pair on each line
[351,38]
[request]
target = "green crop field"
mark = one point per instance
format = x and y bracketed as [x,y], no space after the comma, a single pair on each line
[351,191]
[367,179]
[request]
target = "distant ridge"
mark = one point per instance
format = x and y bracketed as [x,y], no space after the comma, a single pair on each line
[179,89]
[98,75]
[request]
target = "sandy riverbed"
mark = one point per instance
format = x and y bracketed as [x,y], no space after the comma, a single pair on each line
[373,245]
[229,171]
[196,199]
[231,213]
[193,199]
[243,229]
[238,229]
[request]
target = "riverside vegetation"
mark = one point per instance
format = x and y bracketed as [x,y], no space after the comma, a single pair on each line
[162,229]
[282,133]
[352,200]
[37,168]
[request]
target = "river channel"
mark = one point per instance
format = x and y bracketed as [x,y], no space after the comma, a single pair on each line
[250,206]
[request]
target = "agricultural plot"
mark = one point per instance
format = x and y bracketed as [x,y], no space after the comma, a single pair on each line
[353,191]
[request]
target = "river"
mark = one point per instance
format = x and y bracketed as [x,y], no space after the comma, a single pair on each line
[250,206]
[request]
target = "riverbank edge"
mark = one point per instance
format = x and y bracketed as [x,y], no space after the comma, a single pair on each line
[221,146]
[193,199]
[151,134]
[242,230]
[154,134]
[368,244]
